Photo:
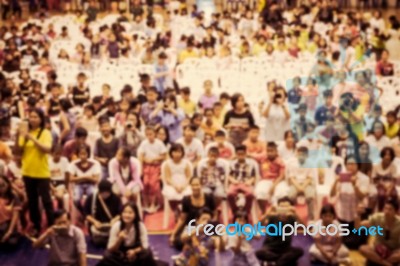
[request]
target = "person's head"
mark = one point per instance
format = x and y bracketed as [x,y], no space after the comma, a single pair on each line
[208,114]
[289,138]
[328,95]
[204,216]
[88,110]
[220,136]
[237,101]
[302,154]
[130,215]
[391,117]
[106,89]
[81,135]
[5,188]
[56,152]
[163,134]
[378,129]
[351,163]
[285,202]
[241,152]
[377,111]
[385,55]
[272,150]
[391,208]
[83,152]
[123,156]
[195,185]
[105,189]
[170,101]
[302,109]
[176,152]
[280,95]
[150,133]
[185,93]
[132,121]
[81,78]
[387,155]
[105,126]
[296,82]
[36,118]
[224,98]
[254,133]
[151,95]
[189,132]
[328,214]
[55,90]
[162,57]
[207,86]
[24,75]
[61,218]
[363,150]
[213,154]
[65,104]
[196,120]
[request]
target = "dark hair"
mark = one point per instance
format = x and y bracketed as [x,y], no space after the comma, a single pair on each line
[176,147]
[138,122]
[213,150]
[204,210]
[220,133]
[85,148]
[394,203]
[41,115]
[65,104]
[271,145]
[89,107]
[166,133]
[391,152]
[254,127]
[126,153]
[185,90]
[302,149]
[285,199]
[57,214]
[81,132]
[103,119]
[190,127]
[241,148]
[391,113]
[235,98]
[240,214]
[327,209]
[136,221]
[224,95]
[193,179]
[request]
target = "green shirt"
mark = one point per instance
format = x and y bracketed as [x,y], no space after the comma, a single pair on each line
[393,241]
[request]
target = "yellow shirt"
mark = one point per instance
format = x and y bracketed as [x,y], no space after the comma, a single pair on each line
[35,163]
[189,108]
[391,131]
[185,54]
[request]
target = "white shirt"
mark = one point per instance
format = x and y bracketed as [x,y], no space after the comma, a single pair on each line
[130,235]
[178,170]
[58,169]
[300,172]
[74,169]
[378,144]
[151,150]
[193,150]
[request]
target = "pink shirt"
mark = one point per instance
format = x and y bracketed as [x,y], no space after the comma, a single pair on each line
[124,185]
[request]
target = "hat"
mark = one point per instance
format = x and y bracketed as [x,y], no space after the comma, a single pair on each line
[105,186]
[328,93]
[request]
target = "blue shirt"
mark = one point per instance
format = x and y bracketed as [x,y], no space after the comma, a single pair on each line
[322,113]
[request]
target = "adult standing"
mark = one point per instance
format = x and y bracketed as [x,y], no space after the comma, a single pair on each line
[34,142]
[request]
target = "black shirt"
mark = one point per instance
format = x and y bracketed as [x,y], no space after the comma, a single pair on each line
[193,211]
[276,242]
[80,97]
[96,210]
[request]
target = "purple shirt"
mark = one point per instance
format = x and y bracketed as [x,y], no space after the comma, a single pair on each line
[208,101]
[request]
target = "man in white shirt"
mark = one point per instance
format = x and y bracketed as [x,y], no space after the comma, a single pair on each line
[194,149]
[302,179]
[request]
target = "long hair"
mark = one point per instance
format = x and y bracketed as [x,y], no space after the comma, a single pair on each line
[136,221]
[41,115]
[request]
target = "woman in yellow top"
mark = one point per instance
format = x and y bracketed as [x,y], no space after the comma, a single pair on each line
[34,142]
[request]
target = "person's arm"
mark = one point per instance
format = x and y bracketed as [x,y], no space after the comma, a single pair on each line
[66,126]
[13,224]
[42,240]
[266,111]
[359,194]
[320,247]
[116,239]
[167,175]
[178,226]
[286,111]
[44,147]
[334,187]
[82,259]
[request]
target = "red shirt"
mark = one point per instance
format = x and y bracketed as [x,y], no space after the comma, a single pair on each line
[272,169]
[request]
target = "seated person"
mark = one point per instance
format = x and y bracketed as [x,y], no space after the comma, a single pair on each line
[242,176]
[197,247]
[102,211]
[213,173]
[10,207]
[128,243]
[176,173]
[384,178]
[58,169]
[84,175]
[272,171]
[256,148]
[329,249]
[70,148]
[191,207]
[243,251]
[385,250]
[225,148]
[125,173]
[274,248]
[67,242]
[301,180]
